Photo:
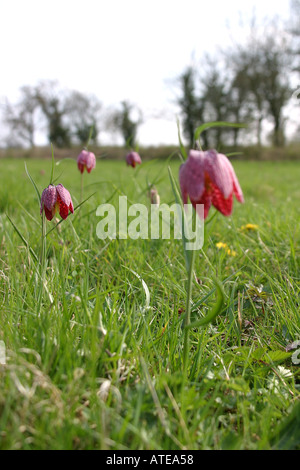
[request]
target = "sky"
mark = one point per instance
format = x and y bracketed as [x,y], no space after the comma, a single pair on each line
[120,49]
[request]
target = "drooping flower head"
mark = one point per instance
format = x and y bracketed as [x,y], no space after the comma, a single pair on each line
[208,178]
[133,159]
[249,227]
[86,160]
[154,197]
[56,198]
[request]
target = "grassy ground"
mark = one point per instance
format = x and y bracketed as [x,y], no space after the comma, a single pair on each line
[97,362]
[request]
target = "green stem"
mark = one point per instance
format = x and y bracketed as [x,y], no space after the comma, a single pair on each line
[42,261]
[186,344]
[210,317]
[81,188]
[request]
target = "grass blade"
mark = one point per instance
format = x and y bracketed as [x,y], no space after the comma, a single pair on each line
[33,183]
[22,238]
[182,147]
[75,208]
[208,125]
[215,310]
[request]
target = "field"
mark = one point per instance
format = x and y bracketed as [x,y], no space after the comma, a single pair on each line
[94,358]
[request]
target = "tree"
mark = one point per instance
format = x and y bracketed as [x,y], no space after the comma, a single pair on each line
[21,118]
[122,122]
[188,104]
[83,115]
[264,64]
[53,106]
[277,88]
[239,105]
[215,97]
[294,29]
[249,78]
[70,116]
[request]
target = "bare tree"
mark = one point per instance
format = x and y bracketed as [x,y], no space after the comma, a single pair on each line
[83,116]
[263,66]
[215,96]
[190,104]
[277,89]
[239,105]
[53,105]
[22,118]
[294,29]
[121,121]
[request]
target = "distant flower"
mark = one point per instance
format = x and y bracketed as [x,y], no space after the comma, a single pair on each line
[249,227]
[86,160]
[221,245]
[56,198]
[133,159]
[154,197]
[208,178]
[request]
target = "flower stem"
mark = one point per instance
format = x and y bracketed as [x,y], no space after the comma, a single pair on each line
[81,188]
[186,344]
[42,261]
[43,247]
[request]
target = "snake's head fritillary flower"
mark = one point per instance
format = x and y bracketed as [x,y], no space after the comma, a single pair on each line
[208,178]
[64,201]
[48,201]
[133,159]
[86,160]
[56,198]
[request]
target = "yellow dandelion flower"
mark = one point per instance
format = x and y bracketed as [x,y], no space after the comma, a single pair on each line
[249,227]
[231,252]
[220,245]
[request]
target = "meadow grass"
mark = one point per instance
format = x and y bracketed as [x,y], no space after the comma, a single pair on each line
[97,363]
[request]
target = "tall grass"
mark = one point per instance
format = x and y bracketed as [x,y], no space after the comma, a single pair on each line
[98,364]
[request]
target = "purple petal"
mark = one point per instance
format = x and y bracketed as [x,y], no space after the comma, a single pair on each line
[48,198]
[86,159]
[133,158]
[219,170]
[65,201]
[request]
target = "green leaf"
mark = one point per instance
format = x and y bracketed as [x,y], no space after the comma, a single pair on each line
[231,441]
[33,183]
[182,147]
[90,136]
[52,166]
[276,356]
[287,435]
[238,384]
[178,200]
[208,125]
[145,287]
[258,353]
[210,317]
[22,238]
[232,154]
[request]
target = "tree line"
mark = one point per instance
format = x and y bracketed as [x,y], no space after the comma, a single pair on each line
[66,117]
[251,83]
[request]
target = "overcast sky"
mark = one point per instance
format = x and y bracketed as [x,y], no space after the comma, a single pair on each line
[120,49]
